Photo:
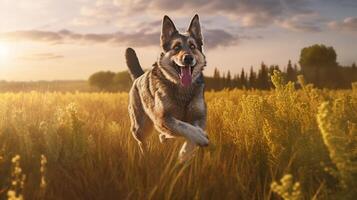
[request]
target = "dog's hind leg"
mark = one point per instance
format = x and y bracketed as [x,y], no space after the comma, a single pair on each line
[141,127]
[141,124]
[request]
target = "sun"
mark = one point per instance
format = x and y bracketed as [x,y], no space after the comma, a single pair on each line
[4,52]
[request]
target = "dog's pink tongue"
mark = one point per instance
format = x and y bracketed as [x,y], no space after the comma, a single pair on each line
[186,77]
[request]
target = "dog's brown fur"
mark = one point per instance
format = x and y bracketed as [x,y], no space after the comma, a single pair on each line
[157,98]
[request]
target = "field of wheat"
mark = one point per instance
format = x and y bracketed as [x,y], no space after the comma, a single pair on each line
[284,143]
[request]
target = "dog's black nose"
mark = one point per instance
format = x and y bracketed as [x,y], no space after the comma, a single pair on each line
[187,59]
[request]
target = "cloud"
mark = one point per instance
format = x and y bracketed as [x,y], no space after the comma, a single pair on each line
[348,24]
[219,37]
[249,13]
[34,35]
[66,36]
[143,38]
[41,56]
[341,3]
[299,27]
[302,23]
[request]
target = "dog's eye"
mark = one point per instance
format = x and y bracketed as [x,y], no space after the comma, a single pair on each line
[177,47]
[192,46]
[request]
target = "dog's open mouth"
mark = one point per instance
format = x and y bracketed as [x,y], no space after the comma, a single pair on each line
[185,74]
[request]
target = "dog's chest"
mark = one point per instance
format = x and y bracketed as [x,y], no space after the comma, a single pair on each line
[184,96]
[180,101]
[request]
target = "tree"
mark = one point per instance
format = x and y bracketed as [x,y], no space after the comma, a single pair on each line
[263,77]
[216,79]
[122,81]
[353,74]
[110,81]
[216,74]
[319,66]
[102,80]
[318,56]
[296,69]
[290,72]
[243,79]
[228,79]
[236,81]
[252,78]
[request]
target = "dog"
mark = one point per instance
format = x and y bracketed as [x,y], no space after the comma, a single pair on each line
[170,96]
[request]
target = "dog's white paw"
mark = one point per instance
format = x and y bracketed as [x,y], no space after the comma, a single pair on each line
[199,137]
[162,138]
[187,151]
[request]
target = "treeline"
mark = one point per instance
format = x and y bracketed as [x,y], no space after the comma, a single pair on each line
[46,86]
[318,65]
[251,79]
[111,81]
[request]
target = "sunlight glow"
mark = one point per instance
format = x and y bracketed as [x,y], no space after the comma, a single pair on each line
[4,52]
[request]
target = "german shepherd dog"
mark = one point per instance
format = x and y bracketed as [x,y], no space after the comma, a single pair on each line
[170,96]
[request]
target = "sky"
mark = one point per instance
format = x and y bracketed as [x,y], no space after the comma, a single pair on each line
[72,39]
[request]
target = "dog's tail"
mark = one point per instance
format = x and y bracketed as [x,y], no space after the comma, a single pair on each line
[133,64]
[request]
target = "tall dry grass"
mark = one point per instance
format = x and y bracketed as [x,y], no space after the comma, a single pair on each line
[78,146]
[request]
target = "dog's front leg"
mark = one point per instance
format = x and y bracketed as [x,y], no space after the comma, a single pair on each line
[169,125]
[172,126]
[198,112]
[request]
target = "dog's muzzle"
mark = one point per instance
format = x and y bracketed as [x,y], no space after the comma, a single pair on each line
[185,74]
[188,60]
[185,71]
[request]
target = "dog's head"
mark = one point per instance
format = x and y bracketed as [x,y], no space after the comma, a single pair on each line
[182,59]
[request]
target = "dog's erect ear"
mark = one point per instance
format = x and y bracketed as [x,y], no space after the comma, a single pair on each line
[195,29]
[168,29]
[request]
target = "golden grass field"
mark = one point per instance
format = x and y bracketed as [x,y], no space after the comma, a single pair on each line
[78,146]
